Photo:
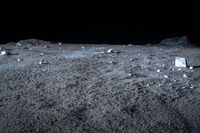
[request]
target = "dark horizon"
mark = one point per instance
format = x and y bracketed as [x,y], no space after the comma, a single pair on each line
[149,26]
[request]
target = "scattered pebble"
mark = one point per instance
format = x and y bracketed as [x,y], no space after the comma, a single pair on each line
[18,60]
[165,76]
[148,85]
[191,67]
[5,53]
[129,74]
[45,46]
[163,65]
[41,53]
[2,48]
[160,49]
[130,45]
[110,51]
[185,76]
[41,61]
[158,70]
[59,43]
[18,44]
[179,69]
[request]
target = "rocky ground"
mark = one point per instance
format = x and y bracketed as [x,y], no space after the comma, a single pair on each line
[52,87]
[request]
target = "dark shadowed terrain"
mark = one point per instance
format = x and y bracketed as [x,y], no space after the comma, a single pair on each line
[52,88]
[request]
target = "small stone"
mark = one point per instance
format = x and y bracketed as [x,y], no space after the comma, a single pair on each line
[165,76]
[41,53]
[139,54]
[163,65]
[130,45]
[158,70]
[18,44]
[185,76]
[41,61]
[59,43]
[148,85]
[160,49]
[45,46]
[129,74]
[2,48]
[191,67]
[179,69]
[110,51]
[18,60]
[5,53]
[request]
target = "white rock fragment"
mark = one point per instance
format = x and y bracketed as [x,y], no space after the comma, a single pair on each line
[163,65]
[165,76]
[191,67]
[41,53]
[180,62]
[185,76]
[179,69]
[129,74]
[5,53]
[158,70]
[59,43]
[148,85]
[18,60]
[130,45]
[110,51]
[18,44]
[41,61]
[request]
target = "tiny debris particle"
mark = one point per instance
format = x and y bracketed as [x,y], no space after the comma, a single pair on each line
[185,76]
[5,53]
[163,65]
[41,61]
[59,43]
[129,74]
[191,67]
[18,44]
[179,69]
[130,45]
[158,70]
[110,51]
[45,46]
[18,60]
[165,76]
[148,85]
[41,53]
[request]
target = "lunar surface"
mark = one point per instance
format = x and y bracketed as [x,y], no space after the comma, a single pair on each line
[48,87]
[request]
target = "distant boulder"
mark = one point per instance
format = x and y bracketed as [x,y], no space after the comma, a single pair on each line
[177,41]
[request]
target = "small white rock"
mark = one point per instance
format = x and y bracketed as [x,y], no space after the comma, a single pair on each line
[41,53]
[18,44]
[185,76]
[110,51]
[59,43]
[129,74]
[130,45]
[163,65]
[5,53]
[158,70]
[148,85]
[18,60]
[191,67]
[41,61]
[165,76]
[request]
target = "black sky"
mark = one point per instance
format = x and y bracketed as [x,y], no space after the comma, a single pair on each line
[139,23]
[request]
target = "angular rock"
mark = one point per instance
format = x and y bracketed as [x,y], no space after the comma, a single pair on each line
[177,41]
[180,62]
